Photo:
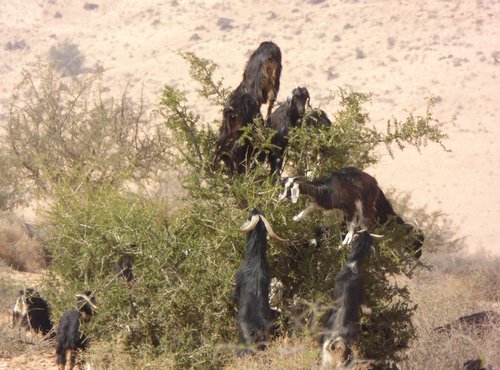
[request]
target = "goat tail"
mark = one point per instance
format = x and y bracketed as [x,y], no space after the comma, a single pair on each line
[60,353]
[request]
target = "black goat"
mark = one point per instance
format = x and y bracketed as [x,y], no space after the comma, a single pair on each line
[357,194]
[32,312]
[255,316]
[261,82]
[287,115]
[69,339]
[240,111]
[478,322]
[317,118]
[343,325]
[123,268]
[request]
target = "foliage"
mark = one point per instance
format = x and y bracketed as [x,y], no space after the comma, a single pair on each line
[69,129]
[185,263]
[8,195]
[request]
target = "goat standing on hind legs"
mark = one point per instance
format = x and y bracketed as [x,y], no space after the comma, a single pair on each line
[69,339]
[287,115]
[342,327]
[260,84]
[253,278]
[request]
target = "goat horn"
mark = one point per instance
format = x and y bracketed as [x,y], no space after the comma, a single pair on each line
[250,225]
[372,235]
[86,298]
[270,230]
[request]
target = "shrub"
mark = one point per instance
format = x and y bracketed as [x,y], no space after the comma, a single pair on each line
[185,263]
[66,129]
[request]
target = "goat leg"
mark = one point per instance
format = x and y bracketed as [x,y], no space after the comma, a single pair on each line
[350,233]
[305,212]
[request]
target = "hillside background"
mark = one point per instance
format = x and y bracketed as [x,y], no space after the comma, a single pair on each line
[399,51]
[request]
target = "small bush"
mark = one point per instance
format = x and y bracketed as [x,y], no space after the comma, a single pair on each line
[19,246]
[66,129]
[67,59]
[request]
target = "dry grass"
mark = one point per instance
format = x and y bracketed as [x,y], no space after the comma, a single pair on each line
[19,246]
[444,297]
[107,355]
[284,353]
[455,286]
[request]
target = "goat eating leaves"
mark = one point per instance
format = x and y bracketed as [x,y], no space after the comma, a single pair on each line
[351,190]
[253,278]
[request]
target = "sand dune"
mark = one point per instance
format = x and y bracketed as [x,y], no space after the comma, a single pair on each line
[400,51]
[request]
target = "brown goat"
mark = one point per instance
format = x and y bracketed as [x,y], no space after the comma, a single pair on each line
[261,80]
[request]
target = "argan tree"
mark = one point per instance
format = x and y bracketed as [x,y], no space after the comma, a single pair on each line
[177,308]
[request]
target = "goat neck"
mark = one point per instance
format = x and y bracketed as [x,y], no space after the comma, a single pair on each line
[256,242]
[317,191]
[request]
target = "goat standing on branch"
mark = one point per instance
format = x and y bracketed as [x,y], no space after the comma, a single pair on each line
[69,339]
[240,111]
[351,190]
[32,312]
[354,192]
[253,278]
[123,268]
[287,115]
[261,83]
[342,327]
[261,78]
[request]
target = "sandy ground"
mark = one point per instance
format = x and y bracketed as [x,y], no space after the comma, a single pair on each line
[400,51]
[26,362]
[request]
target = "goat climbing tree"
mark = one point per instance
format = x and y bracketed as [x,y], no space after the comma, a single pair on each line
[184,261]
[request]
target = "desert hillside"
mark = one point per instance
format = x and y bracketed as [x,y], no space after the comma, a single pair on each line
[401,52]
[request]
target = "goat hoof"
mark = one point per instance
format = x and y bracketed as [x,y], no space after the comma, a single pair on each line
[347,239]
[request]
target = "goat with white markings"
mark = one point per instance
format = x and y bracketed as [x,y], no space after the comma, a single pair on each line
[343,325]
[286,116]
[253,278]
[32,312]
[358,195]
[69,339]
[351,190]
